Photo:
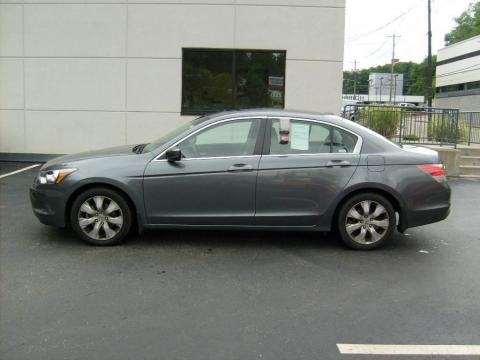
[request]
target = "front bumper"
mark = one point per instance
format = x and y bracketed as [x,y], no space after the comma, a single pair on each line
[48,205]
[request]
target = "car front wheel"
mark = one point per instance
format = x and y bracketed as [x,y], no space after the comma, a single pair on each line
[366,221]
[101,216]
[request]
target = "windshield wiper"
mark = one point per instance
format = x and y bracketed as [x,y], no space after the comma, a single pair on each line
[137,149]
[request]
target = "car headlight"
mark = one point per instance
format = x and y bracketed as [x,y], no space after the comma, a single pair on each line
[54,176]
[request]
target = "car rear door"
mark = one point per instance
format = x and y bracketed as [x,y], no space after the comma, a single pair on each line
[214,183]
[305,165]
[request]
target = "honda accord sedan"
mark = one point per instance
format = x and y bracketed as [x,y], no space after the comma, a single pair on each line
[255,169]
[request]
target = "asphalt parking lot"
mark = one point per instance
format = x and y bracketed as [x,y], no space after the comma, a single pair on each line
[232,295]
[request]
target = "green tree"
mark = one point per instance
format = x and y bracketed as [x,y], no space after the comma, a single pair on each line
[414,77]
[417,84]
[467,25]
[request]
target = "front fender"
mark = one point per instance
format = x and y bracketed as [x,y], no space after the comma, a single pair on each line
[131,187]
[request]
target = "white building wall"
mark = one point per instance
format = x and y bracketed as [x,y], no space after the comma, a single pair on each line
[460,71]
[463,103]
[76,77]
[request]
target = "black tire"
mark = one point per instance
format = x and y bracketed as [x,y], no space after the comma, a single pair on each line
[370,239]
[124,212]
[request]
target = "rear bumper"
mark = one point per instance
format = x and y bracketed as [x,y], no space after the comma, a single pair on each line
[427,203]
[48,207]
[424,217]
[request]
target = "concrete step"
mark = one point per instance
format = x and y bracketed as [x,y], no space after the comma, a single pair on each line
[473,177]
[469,151]
[470,160]
[469,170]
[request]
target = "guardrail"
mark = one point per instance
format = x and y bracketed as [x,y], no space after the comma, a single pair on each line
[416,125]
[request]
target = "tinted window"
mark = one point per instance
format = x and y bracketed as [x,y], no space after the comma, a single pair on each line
[232,138]
[343,141]
[207,81]
[215,80]
[306,137]
[259,79]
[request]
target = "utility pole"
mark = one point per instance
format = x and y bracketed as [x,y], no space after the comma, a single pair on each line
[429,60]
[393,36]
[355,79]
[395,92]
[370,81]
[381,86]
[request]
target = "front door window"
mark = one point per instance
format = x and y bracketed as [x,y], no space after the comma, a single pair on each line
[231,138]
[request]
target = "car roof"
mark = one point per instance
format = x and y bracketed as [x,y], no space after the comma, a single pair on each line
[269,112]
[328,117]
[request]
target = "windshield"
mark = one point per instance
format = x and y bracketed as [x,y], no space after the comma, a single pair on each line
[174,133]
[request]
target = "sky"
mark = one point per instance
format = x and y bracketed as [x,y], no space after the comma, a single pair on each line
[369,22]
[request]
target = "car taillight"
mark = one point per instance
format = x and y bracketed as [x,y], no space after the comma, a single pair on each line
[437,171]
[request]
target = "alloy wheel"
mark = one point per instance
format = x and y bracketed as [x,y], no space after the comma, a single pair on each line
[100,218]
[367,222]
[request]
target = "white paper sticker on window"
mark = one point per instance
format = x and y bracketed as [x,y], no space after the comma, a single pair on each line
[299,135]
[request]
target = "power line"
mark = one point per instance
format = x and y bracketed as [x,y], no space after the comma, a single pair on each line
[457,72]
[379,28]
[378,49]
[465,68]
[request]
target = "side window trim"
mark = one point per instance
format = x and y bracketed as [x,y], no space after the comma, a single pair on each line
[267,139]
[267,142]
[260,136]
[161,156]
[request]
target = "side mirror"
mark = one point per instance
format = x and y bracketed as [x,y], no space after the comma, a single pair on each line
[173,154]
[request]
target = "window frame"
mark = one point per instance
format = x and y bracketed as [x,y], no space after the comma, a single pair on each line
[257,149]
[233,76]
[267,142]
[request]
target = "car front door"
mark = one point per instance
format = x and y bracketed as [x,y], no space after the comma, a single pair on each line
[213,183]
[305,165]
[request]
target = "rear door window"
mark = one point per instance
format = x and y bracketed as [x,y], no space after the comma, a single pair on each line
[309,137]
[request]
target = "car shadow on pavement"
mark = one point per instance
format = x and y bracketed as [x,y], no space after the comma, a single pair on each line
[226,239]
[255,239]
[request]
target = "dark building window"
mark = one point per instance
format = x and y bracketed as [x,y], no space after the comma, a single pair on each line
[473,85]
[459,87]
[221,79]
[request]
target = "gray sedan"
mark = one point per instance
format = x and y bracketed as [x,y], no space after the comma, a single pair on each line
[265,169]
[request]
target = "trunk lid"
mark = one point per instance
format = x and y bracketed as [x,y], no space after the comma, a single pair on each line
[422,154]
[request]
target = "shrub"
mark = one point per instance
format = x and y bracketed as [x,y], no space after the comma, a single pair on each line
[382,119]
[411,137]
[445,130]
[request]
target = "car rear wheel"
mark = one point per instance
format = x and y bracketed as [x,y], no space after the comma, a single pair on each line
[101,216]
[366,221]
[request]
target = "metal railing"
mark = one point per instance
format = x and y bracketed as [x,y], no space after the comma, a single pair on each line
[416,125]
[469,123]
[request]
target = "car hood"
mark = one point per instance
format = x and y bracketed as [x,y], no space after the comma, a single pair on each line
[95,154]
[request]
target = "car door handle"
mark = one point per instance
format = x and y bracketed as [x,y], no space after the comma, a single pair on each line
[333,163]
[240,167]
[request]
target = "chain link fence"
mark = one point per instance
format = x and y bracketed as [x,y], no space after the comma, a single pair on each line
[404,125]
